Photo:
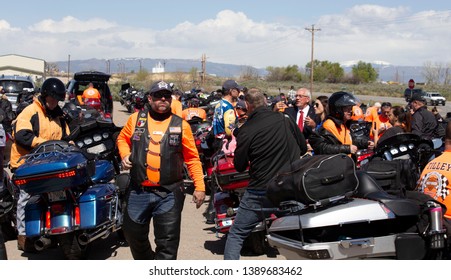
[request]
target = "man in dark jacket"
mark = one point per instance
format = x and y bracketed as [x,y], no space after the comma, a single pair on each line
[424,122]
[266,142]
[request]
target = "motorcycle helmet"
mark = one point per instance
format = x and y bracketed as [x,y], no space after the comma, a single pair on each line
[339,100]
[55,88]
[194,102]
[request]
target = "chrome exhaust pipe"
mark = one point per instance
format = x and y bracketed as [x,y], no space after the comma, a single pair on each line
[86,238]
[42,243]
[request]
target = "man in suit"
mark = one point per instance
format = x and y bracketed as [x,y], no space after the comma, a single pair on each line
[303,113]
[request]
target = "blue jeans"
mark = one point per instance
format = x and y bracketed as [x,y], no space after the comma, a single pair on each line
[165,211]
[248,215]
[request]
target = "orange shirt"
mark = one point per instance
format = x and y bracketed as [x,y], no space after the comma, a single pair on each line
[91,93]
[435,180]
[371,113]
[189,113]
[378,123]
[357,113]
[176,107]
[157,129]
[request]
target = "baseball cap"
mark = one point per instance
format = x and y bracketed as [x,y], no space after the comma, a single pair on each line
[418,97]
[241,104]
[160,86]
[231,84]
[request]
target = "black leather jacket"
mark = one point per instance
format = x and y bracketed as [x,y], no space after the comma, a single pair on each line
[324,142]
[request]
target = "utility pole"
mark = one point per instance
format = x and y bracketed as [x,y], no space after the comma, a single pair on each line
[68,68]
[312,30]
[204,69]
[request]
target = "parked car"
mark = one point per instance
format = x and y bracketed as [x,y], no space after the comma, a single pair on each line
[80,82]
[434,98]
[14,86]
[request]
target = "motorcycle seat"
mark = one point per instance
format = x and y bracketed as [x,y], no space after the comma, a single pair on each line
[369,189]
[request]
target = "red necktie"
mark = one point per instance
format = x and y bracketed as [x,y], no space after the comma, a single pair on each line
[301,120]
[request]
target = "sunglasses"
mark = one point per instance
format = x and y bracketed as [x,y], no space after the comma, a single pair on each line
[161,94]
[316,105]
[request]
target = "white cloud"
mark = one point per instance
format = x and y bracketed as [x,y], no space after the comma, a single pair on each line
[71,24]
[5,26]
[364,32]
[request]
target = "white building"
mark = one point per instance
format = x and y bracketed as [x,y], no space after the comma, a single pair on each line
[13,64]
[159,68]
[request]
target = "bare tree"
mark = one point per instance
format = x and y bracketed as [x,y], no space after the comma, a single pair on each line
[447,74]
[249,73]
[431,73]
[180,79]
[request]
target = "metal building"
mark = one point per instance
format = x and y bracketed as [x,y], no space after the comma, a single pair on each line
[13,64]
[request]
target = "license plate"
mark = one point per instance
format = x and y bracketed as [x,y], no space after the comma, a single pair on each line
[57,196]
[96,149]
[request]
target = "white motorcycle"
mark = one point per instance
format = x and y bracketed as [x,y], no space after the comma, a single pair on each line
[369,224]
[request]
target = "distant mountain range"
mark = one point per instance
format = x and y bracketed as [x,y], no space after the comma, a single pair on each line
[387,72]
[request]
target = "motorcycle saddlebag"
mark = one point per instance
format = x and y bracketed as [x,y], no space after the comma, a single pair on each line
[97,205]
[316,180]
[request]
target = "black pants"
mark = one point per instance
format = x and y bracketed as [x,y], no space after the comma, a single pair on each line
[166,224]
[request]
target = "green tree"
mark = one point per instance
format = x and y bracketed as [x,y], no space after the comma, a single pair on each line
[364,72]
[325,71]
[289,73]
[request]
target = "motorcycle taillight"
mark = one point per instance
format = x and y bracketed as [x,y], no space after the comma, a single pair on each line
[77,215]
[61,175]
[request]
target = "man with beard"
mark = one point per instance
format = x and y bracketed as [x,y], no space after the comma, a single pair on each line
[154,144]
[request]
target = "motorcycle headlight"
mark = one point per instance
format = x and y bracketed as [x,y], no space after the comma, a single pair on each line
[403,148]
[105,135]
[87,141]
[411,146]
[97,137]
[79,144]
[394,151]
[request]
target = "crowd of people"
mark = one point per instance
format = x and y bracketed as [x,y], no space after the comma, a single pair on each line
[157,142]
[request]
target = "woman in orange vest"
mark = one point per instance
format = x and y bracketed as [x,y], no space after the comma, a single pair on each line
[334,136]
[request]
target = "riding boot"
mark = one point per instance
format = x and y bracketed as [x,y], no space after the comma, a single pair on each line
[137,236]
[25,244]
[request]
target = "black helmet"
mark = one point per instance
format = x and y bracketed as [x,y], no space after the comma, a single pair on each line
[55,88]
[194,102]
[338,100]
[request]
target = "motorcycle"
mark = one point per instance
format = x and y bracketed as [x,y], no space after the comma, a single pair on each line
[72,198]
[370,224]
[131,98]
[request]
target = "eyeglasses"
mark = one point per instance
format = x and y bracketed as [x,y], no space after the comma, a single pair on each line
[161,94]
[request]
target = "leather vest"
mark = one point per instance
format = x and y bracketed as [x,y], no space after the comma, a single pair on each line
[171,157]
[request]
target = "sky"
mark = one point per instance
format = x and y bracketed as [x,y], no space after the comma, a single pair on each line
[257,33]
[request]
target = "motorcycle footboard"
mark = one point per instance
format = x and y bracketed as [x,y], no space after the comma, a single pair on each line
[371,247]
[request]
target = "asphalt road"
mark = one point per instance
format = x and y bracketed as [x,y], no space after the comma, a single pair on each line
[199,240]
